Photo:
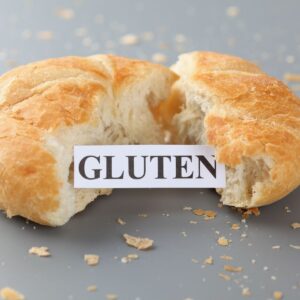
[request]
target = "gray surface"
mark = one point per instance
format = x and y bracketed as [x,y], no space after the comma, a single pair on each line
[264,31]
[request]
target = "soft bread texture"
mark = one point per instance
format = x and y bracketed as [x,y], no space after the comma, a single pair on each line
[252,119]
[49,106]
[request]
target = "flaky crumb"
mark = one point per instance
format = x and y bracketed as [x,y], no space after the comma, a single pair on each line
[251,211]
[232,11]
[295,87]
[129,39]
[277,295]
[188,208]
[143,215]
[208,261]
[111,297]
[180,38]
[195,261]
[246,292]
[297,247]
[193,222]
[8,293]
[273,277]
[129,258]
[295,225]
[276,247]
[65,13]
[148,36]
[91,288]
[226,257]
[230,268]
[209,214]
[291,77]
[91,259]
[224,276]
[222,241]
[290,59]
[235,226]
[138,242]
[159,58]
[45,35]
[39,251]
[121,221]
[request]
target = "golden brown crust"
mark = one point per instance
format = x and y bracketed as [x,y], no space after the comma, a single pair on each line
[29,184]
[252,115]
[41,98]
[52,93]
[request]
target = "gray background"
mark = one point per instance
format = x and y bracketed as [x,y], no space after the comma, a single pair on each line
[265,31]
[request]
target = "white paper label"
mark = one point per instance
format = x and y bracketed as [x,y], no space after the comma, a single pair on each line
[147,166]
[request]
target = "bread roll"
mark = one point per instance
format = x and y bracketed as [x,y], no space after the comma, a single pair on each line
[252,119]
[49,106]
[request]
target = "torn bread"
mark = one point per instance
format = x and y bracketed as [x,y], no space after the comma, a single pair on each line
[252,119]
[49,106]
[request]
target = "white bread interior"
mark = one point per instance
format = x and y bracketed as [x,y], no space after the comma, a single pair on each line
[122,113]
[249,180]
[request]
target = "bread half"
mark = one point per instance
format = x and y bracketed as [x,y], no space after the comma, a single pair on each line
[49,106]
[252,119]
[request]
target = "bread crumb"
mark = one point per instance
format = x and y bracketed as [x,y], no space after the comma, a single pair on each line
[180,38]
[143,215]
[230,268]
[235,226]
[129,39]
[209,214]
[209,261]
[290,59]
[121,221]
[277,295]
[148,36]
[159,58]
[91,259]
[188,208]
[195,261]
[244,235]
[226,257]
[8,293]
[111,297]
[66,13]
[222,241]
[276,247]
[246,292]
[184,233]
[39,251]
[91,288]
[26,34]
[232,11]
[224,276]
[129,258]
[297,247]
[80,31]
[193,222]
[45,35]
[295,88]
[295,225]
[138,242]
[254,210]
[291,77]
